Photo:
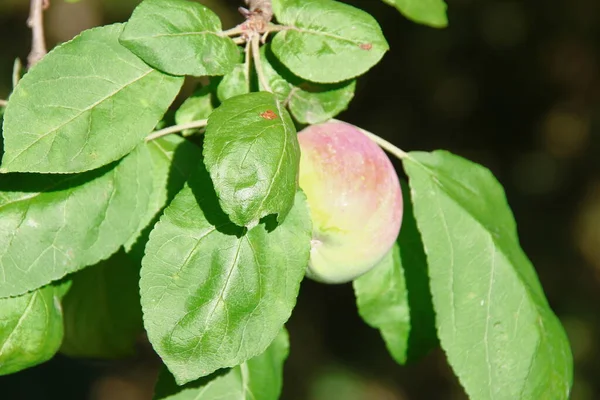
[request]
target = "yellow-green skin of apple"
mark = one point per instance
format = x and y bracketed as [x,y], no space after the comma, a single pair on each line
[354,197]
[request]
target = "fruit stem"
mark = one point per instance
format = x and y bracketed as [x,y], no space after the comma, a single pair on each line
[384,144]
[176,128]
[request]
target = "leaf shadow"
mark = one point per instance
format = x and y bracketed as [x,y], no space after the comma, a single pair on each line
[166,385]
[422,336]
[295,80]
[206,196]
[185,159]
[29,182]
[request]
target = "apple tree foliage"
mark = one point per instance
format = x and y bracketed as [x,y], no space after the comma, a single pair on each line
[202,238]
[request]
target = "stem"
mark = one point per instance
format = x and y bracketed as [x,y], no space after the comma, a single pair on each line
[36,23]
[384,144]
[247,65]
[235,31]
[3,103]
[176,128]
[258,64]
[16,74]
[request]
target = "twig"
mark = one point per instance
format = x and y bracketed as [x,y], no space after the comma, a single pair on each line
[36,23]
[3,103]
[235,31]
[258,64]
[16,74]
[384,144]
[176,128]
[247,65]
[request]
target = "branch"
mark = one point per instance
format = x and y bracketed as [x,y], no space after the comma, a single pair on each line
[176,128]
[36,23]
[3,103]
[384,144]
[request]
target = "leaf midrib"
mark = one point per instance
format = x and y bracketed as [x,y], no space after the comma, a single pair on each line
[207,33]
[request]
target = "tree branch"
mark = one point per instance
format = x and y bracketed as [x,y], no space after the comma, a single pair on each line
[36,23]
[3,103]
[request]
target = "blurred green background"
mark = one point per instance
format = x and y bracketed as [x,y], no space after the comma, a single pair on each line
[514,85]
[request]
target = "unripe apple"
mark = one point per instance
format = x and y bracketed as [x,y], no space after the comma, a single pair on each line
[354,197]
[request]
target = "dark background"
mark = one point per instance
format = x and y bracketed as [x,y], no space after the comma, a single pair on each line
[513,85]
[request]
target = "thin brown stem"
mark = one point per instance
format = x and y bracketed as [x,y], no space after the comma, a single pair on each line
[258,63]
[235,31]
[16,73]
[248,65]
[3,103]
[176,128]
[384,144]
[36,23]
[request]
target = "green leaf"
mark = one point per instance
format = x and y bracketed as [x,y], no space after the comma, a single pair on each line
[51,225]
[382,302]
[252,153]
[428,12]
[308,102]
[327,41]
[235,83]
[31,328]
[198,106]
[500,336]
[395,297]
[180,37]
[173,160]
[87,103]
[260,377]
[213,294]
[102,312]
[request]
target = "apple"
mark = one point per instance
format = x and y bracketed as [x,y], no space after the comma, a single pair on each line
[354,197]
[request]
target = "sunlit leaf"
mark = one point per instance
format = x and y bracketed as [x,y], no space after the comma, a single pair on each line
[179,37]
[327,41]
[87,103]
[500,336]
[214,294]
[252,153]
[51,225]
